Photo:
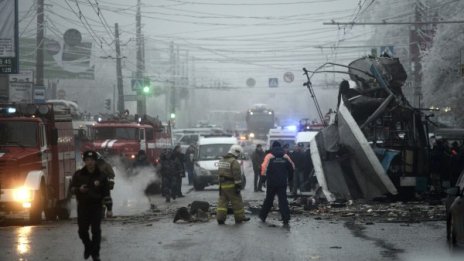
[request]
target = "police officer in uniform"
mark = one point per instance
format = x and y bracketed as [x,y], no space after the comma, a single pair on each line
[90,186]
[230,184]
[277,168]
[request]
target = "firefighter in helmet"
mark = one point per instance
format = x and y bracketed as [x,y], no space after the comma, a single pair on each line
[108,171]
[230,184]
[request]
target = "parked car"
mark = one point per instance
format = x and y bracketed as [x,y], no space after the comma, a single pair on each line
[454,204]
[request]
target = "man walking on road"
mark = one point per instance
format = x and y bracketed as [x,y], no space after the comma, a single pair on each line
[230,184]
[277,168]
[257,159]
[90,186]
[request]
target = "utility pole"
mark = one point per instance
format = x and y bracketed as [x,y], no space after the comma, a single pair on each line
[120,107]
[39,62]
[414,54]
[141,99]
[420,39]
[172,90]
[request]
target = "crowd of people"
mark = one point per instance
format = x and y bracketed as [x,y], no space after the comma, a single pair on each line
[276,169]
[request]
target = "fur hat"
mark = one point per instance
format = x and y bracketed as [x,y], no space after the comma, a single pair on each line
[90,154]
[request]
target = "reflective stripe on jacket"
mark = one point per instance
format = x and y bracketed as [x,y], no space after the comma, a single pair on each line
[229,171]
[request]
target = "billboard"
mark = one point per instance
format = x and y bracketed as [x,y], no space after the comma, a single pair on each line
[21,86]
[8,36]
[61,60]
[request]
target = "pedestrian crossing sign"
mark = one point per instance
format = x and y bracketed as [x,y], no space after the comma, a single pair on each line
[273,82]
[389,50]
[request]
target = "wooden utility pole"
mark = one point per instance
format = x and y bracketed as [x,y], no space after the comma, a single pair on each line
[120,87]
[141,99]
[39,61]
[172,90]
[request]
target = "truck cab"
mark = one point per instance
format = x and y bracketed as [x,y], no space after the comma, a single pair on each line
[37,161]
[122,139]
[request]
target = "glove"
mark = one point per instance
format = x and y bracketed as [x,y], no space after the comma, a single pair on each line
[238,187]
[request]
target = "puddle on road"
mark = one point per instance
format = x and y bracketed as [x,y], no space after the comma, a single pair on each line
[389,250]
[23,240]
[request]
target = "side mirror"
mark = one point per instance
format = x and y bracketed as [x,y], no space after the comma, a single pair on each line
[454,191]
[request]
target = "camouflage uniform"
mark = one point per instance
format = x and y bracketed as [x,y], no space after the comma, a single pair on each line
[108,171]
[230,183]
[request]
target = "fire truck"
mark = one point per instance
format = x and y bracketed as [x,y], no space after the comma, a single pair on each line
[123,137]
[37,161]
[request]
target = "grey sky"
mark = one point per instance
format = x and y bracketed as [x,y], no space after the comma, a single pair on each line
[230,40]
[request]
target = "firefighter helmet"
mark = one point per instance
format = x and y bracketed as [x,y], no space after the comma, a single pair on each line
[236,150]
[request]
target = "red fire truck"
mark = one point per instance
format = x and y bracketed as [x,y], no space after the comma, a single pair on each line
[125,137]
[37,161]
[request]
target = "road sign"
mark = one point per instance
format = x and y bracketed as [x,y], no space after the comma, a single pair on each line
[250,82]
[289,77]
[38,96]
[136,85]
[273,82]
[389,50]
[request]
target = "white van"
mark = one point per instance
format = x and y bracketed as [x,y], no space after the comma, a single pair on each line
[211,148]
[283,136]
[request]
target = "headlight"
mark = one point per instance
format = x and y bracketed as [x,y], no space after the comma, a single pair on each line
[22,194]
[252,135]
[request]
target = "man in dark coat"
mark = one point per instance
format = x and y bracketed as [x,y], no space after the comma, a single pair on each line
[180,157]
[170,167]
[277,168]
[257,158]
[298,158]
[90,186]
[190,163]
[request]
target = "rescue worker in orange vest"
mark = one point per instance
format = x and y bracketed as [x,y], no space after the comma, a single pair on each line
[230,184]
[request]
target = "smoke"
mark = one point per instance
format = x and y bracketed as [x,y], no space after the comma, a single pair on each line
[128,193]
[129,190]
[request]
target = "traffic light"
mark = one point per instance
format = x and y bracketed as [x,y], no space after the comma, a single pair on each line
[108,104]
[147,88]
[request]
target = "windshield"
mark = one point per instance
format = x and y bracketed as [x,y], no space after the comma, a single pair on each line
[213,151]
[116,133]
[18,133]
[260,122]
[290,143]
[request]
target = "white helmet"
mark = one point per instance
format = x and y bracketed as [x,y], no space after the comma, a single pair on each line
[236,150]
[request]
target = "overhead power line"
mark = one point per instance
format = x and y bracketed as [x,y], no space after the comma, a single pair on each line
[392,23]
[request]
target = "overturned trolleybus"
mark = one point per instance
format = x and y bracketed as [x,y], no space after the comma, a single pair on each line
[378,143]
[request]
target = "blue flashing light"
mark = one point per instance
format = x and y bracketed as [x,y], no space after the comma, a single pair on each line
[11,110]
[291,128]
